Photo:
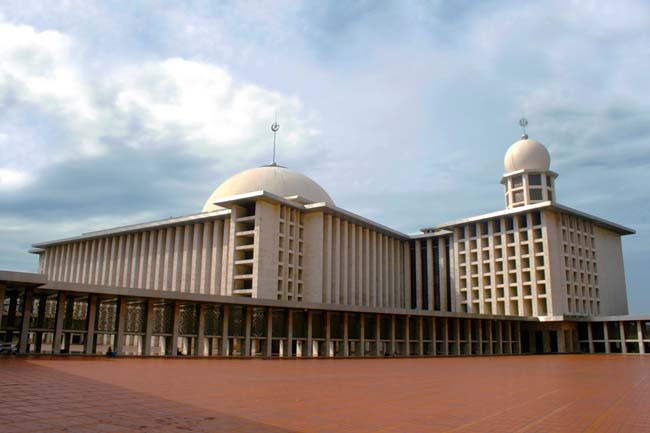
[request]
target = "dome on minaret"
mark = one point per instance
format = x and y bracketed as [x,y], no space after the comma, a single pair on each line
[527,154]
[271,178]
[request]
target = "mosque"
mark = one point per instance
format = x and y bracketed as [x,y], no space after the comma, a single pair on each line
[272,267]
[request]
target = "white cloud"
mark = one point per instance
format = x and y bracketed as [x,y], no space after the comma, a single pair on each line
[202,106]
[167,104]
[36,66]
[38,74]
[13,179]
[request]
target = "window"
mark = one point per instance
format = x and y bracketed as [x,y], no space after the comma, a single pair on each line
[517,181]
[549,181]
[550,195]
[518,196]
[535,179]
[535,194]
[523,221]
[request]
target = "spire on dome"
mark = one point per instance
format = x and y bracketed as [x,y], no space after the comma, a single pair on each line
[528,178]
[523,122]
[275,127]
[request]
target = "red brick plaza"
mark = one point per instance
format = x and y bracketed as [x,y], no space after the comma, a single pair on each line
[554,393]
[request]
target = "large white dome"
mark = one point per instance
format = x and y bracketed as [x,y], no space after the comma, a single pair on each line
[527,154]
[271,178]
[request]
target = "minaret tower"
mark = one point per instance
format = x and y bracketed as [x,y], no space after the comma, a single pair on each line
[528,178]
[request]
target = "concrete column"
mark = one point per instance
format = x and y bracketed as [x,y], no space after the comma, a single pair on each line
[377,335]
[148,330]
[58,327]
[407,336]
[430,275]
[458,351]
[42,303]
[289,333]
[639,332]
[67,337]
[445,333]
[418,275]
[468,335]
[621,330]
[406,281]
[327,265]
[337,261]
[362,335]
[224,332]
[479,336]
[561,341]
[344,265]
[518,337]
[247,331]
[121,324]
[442,263]
[606,336]
[509,337]
[392,334]
[3,289]
[420,336]
[434,336]
[328,335]
[346,348]
[28,303]
[590,336]
[90,325]
[269,333]
[200,335]
[310,343]
[499,338]
[176,327]
[490,338]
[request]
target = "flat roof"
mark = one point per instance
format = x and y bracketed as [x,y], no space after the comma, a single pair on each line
[622,230]
[23,279]
[296,202]
[438,230]
[193,218]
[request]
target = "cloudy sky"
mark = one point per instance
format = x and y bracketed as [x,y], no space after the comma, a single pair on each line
[120,112]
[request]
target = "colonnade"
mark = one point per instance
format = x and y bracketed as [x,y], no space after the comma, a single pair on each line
[615,336]
[45,321]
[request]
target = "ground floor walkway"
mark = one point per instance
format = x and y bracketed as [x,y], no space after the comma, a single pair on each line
[540,393]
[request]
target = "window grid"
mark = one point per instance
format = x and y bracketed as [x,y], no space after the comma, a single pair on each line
[502,267]
[290,256]
[580,268]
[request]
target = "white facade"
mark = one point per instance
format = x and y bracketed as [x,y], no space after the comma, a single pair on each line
[274,234]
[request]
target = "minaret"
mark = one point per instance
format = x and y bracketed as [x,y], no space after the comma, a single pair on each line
[528,178]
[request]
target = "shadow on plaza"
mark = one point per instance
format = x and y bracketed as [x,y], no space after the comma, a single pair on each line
[41,399]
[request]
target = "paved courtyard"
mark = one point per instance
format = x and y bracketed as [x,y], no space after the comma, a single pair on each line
[582,393]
